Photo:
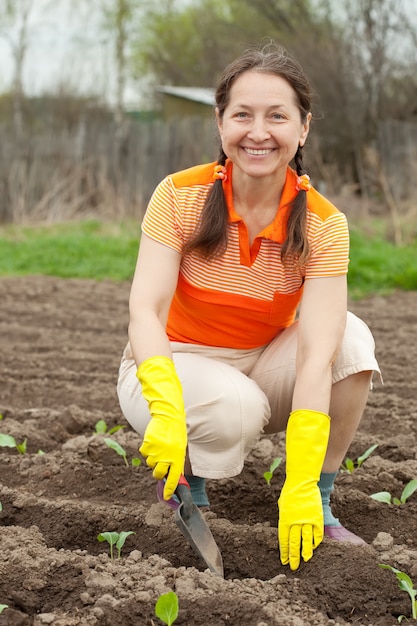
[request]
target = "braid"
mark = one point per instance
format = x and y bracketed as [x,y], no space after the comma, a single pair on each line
[298,160]
[296,241]
[210,239]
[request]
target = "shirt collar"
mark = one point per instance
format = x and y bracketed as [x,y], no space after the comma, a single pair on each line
[276,231]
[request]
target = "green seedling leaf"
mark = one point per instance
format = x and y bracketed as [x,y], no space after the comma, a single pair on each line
[3,607]
[274,465]
[382,496]
[40,452]
[408,490]
[111,538]
[136,461]
[117,448]
[1,506]
[365,455]
[406,584]
[349,466]
[115,539]
[2,417]
[166,607]
[115,429]
[7,441]
[385,496]
[21,447]
[121,540]
[101,427]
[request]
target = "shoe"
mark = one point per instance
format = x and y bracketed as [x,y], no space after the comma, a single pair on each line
[340,533]
[173,502]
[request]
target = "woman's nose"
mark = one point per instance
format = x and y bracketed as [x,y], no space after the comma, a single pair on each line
[258,130]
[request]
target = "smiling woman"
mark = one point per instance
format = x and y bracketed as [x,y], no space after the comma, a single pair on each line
[230,252]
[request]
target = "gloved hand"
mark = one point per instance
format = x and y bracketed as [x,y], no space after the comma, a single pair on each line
[301,526]
[165,439]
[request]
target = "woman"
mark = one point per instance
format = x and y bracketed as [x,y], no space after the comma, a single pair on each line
[230,252]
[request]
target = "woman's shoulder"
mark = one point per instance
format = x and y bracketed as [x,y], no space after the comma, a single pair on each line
[321,206]
[196,175]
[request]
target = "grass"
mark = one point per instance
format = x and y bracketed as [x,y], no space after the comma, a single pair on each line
[379,267]
[98,250]
[87,249]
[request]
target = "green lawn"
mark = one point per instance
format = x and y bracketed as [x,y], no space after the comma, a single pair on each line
[89,249]
[94,249]
[379,267]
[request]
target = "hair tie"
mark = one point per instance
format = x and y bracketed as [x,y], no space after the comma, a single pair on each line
[220,172]
[303,183]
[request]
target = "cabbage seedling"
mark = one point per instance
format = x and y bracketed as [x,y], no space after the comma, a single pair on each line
[7,441]
[115,539]
[166,607]
[405,584]
[274,465]
[102,429]
[385,496]
[1,506]
[121,451]
[2,607]
[349,465]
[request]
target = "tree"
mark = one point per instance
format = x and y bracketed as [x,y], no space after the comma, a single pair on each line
[14,17]
[120,21]
[359,54]
[191,45]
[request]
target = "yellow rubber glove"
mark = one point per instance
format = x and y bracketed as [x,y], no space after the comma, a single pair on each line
[165,439]
[301,526]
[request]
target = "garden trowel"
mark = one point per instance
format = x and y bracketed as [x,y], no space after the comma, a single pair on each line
[195,529]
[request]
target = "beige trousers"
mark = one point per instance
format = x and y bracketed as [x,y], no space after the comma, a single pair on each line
[232,396]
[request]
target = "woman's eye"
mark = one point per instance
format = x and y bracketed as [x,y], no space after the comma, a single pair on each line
[277,116]
[241,114]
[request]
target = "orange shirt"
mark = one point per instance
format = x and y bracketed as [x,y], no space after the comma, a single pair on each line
[245,297]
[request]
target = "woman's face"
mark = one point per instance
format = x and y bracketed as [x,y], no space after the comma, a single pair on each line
[261,127]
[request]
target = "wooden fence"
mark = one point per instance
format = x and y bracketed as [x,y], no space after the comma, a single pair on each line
[60,173]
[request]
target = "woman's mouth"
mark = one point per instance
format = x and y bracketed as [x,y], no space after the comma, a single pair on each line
[258,152]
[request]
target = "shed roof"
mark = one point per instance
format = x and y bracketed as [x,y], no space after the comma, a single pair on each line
[197,94]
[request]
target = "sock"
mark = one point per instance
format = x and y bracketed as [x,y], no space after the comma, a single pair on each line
[198,490]
[325,484]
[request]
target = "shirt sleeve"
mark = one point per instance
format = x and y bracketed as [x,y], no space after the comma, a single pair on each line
[329,247]
[162,219]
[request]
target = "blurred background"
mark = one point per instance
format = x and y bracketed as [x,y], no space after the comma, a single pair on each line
[100,99]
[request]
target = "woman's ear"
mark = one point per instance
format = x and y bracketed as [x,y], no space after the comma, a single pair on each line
[218,118]
[305,130]
[219,121]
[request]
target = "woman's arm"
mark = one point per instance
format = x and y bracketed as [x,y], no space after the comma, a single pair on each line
[321,326]
[165,438]
[320,331]
[153,287]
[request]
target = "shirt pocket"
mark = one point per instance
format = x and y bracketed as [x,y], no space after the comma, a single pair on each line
[284,308]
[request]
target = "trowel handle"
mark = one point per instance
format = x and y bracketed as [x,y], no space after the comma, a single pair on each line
[183,481]
[184,494]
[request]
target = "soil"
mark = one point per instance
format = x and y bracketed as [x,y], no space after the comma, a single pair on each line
[61,343]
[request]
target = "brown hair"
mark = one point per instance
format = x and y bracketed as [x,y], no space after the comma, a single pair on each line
[211,237]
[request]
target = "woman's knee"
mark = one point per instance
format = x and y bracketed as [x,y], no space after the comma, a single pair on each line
[132,404]
[357,352]
[221,403]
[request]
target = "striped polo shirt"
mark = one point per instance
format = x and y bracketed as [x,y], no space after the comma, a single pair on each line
[245,297]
